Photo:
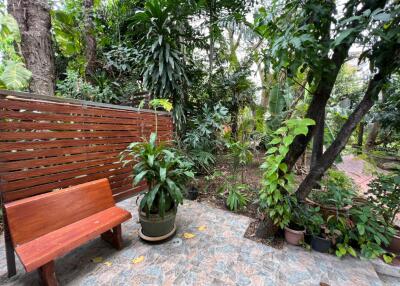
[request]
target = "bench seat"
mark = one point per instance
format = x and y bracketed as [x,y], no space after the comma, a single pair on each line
[47,226]
[46,248]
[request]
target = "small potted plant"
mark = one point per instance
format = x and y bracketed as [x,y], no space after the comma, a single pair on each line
[314,224]
[295,231]
[384,195]
[165,171]
[321,240]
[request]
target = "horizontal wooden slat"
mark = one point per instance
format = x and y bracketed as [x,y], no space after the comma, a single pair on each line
[73,134]
[25,164]
[48,144]
[23,155]
[23,193]
[44,171]
[30,182]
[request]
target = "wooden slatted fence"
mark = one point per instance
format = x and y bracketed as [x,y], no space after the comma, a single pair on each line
[48,143]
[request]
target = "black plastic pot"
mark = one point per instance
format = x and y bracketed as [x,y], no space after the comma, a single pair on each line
[320,244]
[192,193]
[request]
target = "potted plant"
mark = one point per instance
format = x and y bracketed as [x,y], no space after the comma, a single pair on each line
[295,231]
[384,195]
[313,222]
[321,240]
[165,172]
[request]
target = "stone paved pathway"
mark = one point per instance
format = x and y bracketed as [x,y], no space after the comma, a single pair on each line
[218,254]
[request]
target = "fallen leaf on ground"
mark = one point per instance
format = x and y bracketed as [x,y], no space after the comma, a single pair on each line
[138,259]
[202,228]
[97,259]
[188,235]
[108,263]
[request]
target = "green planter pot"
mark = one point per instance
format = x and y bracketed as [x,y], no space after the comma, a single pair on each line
[154,226]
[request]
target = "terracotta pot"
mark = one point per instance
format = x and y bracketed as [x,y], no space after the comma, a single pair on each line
[394,245]
[294,237]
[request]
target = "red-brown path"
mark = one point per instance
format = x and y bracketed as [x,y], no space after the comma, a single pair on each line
[355,168]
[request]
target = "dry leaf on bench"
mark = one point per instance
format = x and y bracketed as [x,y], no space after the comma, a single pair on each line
[202,228]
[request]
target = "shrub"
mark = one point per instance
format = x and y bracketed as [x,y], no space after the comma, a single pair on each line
[384,195]
[338,190]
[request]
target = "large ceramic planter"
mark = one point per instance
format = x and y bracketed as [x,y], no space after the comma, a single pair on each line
[394,245]
[155,227]
[321,244]
[293,236]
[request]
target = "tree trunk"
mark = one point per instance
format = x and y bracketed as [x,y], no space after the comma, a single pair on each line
[90,40]
[318,142]
[372,135]
[264,92]
[342,138]
[211,40]
[360,135]
[234,117]
[33,18]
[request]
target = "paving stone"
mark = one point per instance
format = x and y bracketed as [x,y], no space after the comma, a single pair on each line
[218,254]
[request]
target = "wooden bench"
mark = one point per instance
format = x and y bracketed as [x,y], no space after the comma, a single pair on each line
[50,225]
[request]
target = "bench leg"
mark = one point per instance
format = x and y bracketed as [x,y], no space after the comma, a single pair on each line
[114,237]
[10,254]
[48,274]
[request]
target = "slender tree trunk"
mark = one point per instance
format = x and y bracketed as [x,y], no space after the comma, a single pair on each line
[360,135]
[211,40]
[342,138]
[372,135]
[234,117]
[318,142]
[90,40]
[264,92]
[33,18]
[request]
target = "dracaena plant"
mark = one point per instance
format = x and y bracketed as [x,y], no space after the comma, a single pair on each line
[163,169]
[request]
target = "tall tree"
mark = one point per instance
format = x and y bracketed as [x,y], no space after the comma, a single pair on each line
[306,43]
[33,18]
[90,40]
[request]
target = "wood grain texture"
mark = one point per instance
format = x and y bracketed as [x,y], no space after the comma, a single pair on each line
[33,217]
[50,144]
[61,241]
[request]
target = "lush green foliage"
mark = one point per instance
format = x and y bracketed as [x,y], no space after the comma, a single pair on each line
[277,181]
[384,194]
[203,137]
[13,74]
[74,86]
[164,170]
[338,190]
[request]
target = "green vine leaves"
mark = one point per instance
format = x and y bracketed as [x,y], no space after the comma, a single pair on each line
[278,181]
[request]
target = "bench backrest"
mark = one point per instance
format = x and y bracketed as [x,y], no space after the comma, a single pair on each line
[33,217]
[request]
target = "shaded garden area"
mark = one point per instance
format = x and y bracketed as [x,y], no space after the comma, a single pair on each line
[272,124]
